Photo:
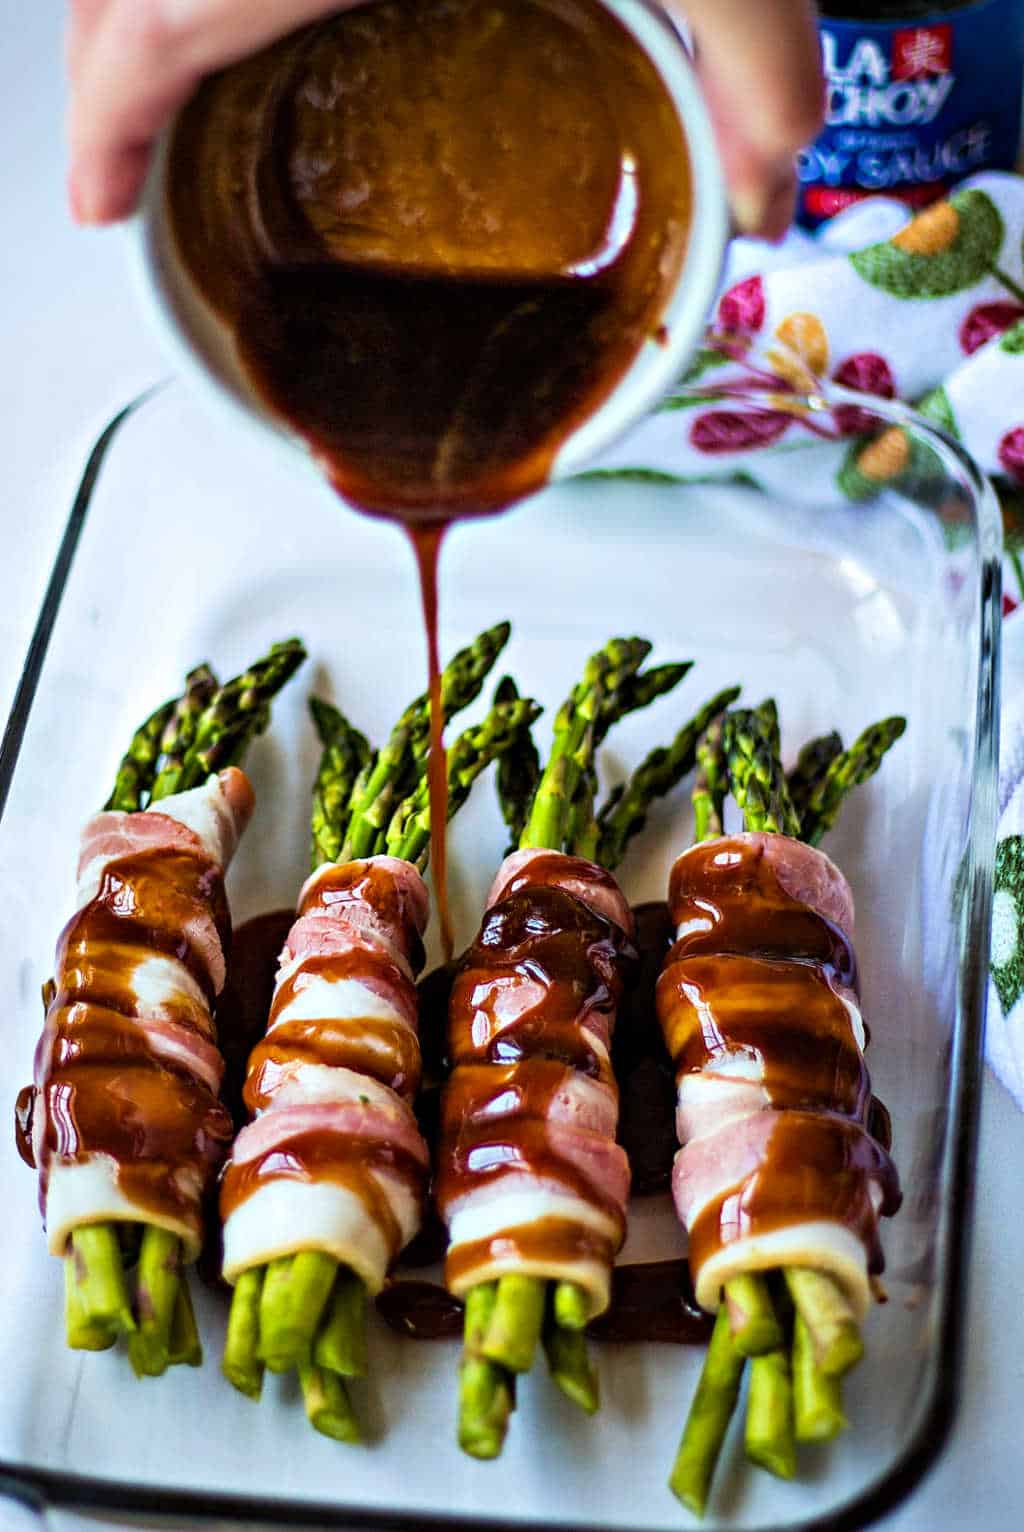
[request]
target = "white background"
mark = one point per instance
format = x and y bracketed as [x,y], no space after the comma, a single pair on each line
[73,350]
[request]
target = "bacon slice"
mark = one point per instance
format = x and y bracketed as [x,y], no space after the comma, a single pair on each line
[530,1178]
[126,1120]
[333,1159]
[758,1002]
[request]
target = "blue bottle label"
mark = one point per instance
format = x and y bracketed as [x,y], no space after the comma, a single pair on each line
[913,108]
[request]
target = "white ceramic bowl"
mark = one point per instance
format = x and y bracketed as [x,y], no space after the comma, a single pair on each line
[202,349]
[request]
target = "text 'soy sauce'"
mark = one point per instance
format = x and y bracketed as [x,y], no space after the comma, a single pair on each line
[440,232]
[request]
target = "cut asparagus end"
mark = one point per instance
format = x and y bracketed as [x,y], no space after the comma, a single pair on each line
[817,1399]
[708,1420]
[83,1334]
[98,1274]
[328,1406]
[485,1404]
[570,1366]
[485,1389]
[755,1325]
[186,1348]
[156,1293]
[572,1306]
[295,1293]
[515,1323]
[770,1440]
[241,1364]
[828,1315]
[341,1341]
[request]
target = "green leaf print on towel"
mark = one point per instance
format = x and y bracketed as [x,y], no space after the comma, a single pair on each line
[945,249]
[1008,922]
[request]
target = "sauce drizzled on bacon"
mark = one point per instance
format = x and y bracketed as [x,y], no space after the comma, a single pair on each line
[763,978]
[136,1083]
[531,1102]
[333,1157]
[650,1302]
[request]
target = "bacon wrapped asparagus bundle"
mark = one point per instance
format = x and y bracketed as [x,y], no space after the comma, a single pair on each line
[327,1183]
[531,1182]
[780,1180]
[127,1130]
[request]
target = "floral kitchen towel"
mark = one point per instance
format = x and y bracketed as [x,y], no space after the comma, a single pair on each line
[930,310]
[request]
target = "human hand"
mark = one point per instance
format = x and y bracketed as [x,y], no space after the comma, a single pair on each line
[759,63]
[133,62]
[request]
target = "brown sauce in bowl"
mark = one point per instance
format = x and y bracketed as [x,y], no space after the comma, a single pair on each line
[440,232]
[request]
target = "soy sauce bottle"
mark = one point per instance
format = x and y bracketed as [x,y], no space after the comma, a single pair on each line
[919,94]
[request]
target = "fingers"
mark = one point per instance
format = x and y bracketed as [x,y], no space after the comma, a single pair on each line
[133,62]
[760,66]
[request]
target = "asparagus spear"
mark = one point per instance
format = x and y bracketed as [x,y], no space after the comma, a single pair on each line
[625,812]
[770,1436]
[408,834]
[295,1293]
[238,710]
[708,1420]
[302,1310]
[156,1295]
[831,1322]
[241,1364]
[518,770]
[341,1343]
[792,1399]
[180,729]
[204,724]
[398,766]
[811,765]
[755,774]
[561,817]
[138,764]
[346,753]
[328,1406]
[569,1364]
[817,1399]
[846,771]
[485,1390]
[752,1318]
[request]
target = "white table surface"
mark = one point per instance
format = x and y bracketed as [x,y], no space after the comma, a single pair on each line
[74,349]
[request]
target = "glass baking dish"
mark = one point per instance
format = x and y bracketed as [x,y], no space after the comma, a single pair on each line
[187,542]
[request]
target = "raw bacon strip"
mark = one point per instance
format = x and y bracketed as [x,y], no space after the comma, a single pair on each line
[127,1125]
[333,1159]
[530,1178]
[759,1006]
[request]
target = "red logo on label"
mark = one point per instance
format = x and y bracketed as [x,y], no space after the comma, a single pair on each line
[922,50]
